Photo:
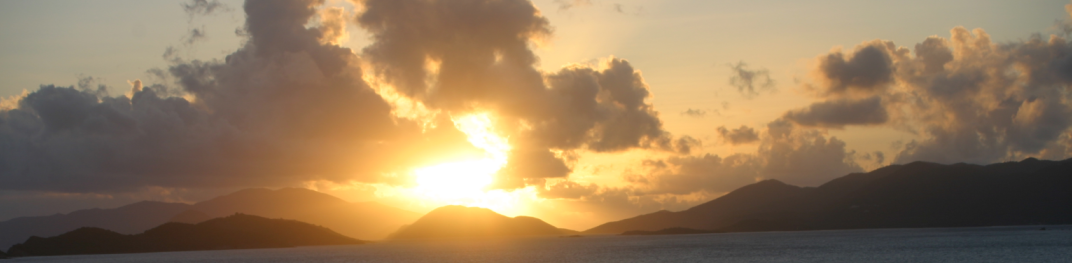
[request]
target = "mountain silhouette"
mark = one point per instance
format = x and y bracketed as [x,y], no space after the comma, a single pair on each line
[367,221]
[450,222]
[129,219]
[918,194]
[238,231]
[668,231]
[190,217]
[361,220]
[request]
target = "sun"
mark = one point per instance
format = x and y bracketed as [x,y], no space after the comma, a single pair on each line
[456,180]
[465,182]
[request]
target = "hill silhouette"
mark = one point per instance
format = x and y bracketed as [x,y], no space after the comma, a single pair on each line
[368,221]
[361,220]
[917,194]
[233,232]
[190,217]
[451,222]
[129,219]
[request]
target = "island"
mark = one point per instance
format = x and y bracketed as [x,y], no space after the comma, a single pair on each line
[239,231]
[460,222]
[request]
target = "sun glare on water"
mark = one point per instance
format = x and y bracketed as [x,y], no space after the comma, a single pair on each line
[464,182]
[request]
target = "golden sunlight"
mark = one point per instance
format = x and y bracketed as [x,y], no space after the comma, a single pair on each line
[464,182]
[457,179]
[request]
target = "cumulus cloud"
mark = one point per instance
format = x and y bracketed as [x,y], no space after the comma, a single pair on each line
[472,56]
[866,70]
[291,105]
[840,112]
[878,157]
[742,135]
[284,108]
[968,98]
[796,156]
[688,174]
[750,82]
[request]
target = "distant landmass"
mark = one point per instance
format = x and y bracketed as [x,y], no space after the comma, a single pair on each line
[129,219]
[451,222]
[669,231]
[361,220]
[190,217]
[233,232]
[917,194]
[748,225]
[368,220]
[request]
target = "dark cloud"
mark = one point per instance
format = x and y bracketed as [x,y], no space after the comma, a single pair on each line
[969,99]
[291,105]
[934,53]
[840,112]
[750,82]
[868,69]
[742,135]
[473,56]
[282,109]
[991,102]
[480,50]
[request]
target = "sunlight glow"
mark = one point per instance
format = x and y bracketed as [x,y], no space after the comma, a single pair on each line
[457,179]
[464,182]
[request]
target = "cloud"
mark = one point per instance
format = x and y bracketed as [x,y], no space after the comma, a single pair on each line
[333,22]
[474,56]
[203,7]
[196,34]
[284,108]
[796,156]
[878,157]
[804,157]
[967,98]
[742,135]
[291,105]
[868,69]
[564,5]
[840,112]
[698,113]
[688,174]
[750,82]
[567,190]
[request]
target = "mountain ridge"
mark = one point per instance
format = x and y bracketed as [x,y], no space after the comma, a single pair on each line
[917,194]
[362,220]
[238,231]
[460,222]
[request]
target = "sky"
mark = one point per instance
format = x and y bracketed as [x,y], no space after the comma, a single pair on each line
[577,112]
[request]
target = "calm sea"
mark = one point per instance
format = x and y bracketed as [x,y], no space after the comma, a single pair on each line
[990,244]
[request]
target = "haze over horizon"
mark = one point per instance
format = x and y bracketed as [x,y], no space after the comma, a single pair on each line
[577,112]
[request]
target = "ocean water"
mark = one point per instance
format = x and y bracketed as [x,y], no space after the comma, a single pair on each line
[988,244]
